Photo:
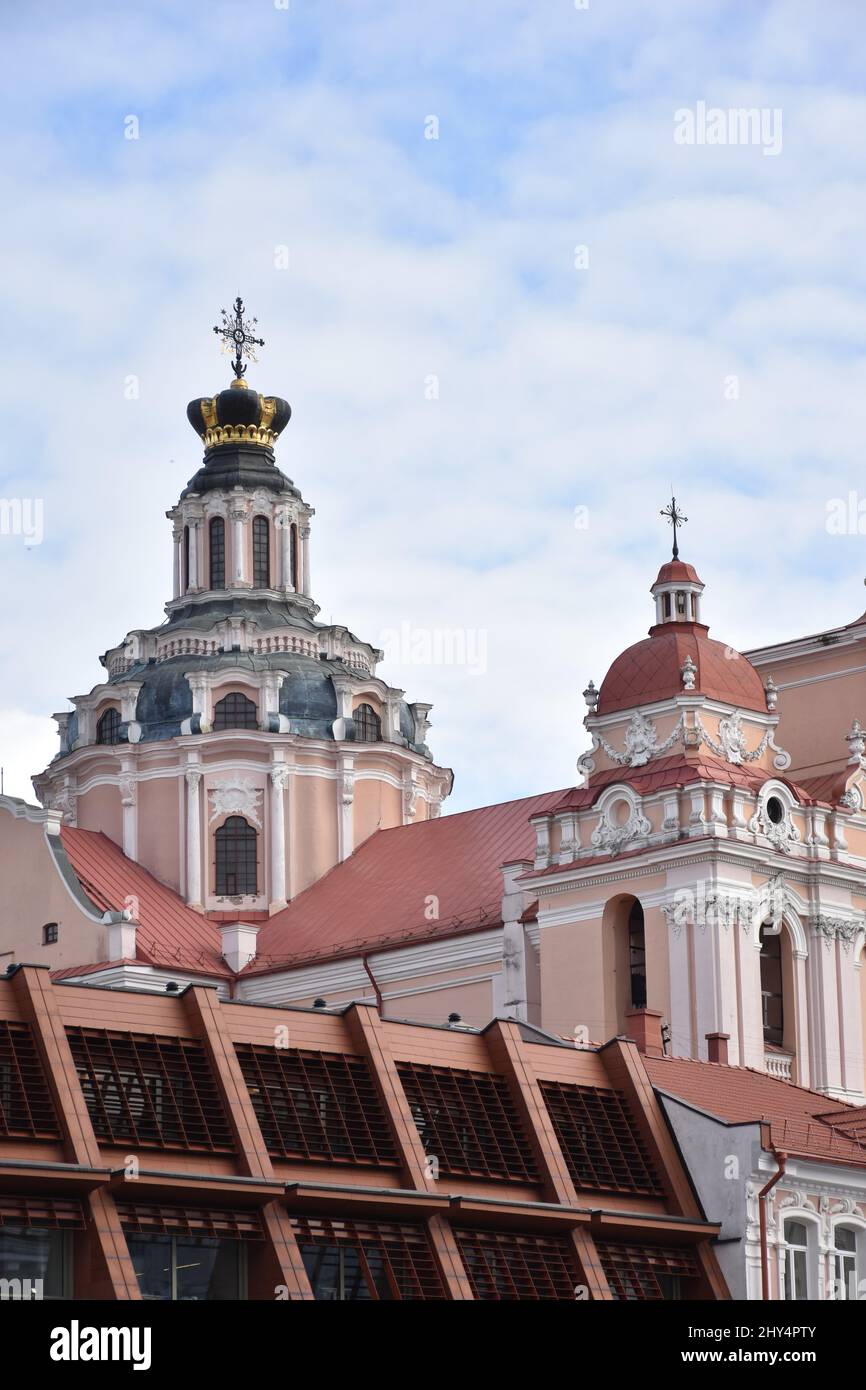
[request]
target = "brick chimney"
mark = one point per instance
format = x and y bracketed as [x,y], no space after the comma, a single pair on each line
[717,1047]
[644,1027]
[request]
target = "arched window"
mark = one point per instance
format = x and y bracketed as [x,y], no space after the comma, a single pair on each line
[772,992]
[185,558]
[637,956]
[108,728]
[795,1282]
[293,555]
[844,1254]
[261,553]
[217,553]
[235,711]
[235,858]
[368,726]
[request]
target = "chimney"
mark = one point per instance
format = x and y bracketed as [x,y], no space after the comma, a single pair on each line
[644,1027]
[121,938]
[238,944]
[717,1047]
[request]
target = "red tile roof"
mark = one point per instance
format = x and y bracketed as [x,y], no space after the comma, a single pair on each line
[678,569]
[652,670]
[378,896]
[800,1121]
[170,933]
[829,787]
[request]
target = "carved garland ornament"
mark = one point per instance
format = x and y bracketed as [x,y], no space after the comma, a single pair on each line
[236,796]
[641,743]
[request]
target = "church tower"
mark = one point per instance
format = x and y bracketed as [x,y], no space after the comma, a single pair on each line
[242,748]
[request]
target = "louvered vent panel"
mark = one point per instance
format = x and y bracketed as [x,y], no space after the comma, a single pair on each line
[316,1105]
[150,1090]
[468,1122]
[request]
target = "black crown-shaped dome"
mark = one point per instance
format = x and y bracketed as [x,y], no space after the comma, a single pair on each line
[239,416]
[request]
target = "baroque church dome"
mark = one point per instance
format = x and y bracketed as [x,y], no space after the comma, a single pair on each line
[652,669]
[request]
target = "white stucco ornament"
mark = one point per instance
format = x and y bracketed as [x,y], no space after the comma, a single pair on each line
[236,796]
[689,672]
[732,737]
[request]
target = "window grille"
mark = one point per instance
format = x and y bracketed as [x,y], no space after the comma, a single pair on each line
[149,1090]
[26,1108]
[599,1139]
[348,1261]
[316,1105]
[505,1265]
[646,1272]
[468,1122]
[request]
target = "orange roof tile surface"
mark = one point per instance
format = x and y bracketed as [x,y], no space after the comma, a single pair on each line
[652,670]
[170,933]
[380,894]
[801,1122]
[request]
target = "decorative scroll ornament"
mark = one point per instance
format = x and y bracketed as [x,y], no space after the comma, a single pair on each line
[236,796]
[732,742]
[611,838]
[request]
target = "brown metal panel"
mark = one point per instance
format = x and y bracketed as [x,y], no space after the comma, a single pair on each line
[112,1273]
[372,1038]
[203,1010]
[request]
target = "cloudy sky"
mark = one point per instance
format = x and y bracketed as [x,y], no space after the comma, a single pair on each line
[502,345]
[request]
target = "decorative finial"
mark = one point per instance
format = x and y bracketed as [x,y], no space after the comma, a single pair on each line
[856,741]
[675,518]
[771,690]
[238,337]
[591,697]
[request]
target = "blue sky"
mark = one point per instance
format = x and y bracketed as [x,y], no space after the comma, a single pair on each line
[410,258]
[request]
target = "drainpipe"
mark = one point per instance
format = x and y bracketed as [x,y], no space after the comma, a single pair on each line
[378,992]
[781,1159]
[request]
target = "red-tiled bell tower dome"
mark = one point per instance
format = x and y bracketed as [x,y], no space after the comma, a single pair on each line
[678,655]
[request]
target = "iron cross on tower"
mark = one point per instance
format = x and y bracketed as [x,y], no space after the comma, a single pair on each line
[237,336]
[675,518]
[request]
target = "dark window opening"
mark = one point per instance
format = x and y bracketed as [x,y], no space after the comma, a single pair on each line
[368,726]
[217,553]
[235,712]
[236,852]
[108,728]
[188,1269]
[261,553]
[185,558]
[50,933]
[772,1002]
[293,555]
[35,1262]
[637,957]
[775,810]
